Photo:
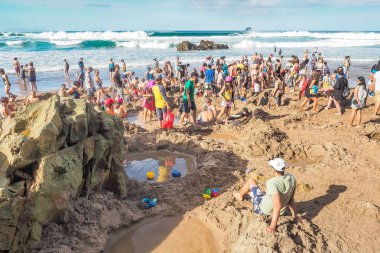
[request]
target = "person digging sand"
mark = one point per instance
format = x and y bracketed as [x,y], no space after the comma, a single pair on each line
[279,194]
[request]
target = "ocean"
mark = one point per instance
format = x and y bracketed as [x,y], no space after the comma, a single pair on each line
[48,49]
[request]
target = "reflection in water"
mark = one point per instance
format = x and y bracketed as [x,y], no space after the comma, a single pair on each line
[162,163]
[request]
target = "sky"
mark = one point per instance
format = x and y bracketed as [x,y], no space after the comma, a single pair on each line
[169,15]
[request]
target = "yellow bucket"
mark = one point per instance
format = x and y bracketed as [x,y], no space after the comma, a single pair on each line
[150,175]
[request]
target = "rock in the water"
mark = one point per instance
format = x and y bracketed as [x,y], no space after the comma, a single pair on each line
[203,45]
[51,152]
[186,46]
[210,45]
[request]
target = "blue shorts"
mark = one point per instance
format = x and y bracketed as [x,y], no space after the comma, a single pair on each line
[160,113]
[257,196]
[186,107]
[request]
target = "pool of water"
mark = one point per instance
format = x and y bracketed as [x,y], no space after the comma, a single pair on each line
[164,235]
[162,163]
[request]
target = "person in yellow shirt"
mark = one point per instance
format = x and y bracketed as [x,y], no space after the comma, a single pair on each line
[160,99]
[227,95]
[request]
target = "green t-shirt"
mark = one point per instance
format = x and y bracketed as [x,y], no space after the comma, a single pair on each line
[189,86]
[285,186]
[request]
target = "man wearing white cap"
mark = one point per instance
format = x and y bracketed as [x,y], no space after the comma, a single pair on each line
[279,194]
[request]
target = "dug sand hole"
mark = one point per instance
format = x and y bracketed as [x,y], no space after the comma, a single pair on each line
[165,235]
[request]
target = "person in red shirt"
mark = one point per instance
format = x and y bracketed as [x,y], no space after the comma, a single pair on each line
[109,106]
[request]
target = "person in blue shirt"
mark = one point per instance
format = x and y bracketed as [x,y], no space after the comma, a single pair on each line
[224,66]
[210,76]
[148,75]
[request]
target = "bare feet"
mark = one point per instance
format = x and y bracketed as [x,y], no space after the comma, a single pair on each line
[238,196]
[338,114]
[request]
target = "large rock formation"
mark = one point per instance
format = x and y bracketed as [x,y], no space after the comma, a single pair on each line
[51,152]
[203,45]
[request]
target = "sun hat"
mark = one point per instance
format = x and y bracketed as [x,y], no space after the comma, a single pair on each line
[150,84]
[277,164]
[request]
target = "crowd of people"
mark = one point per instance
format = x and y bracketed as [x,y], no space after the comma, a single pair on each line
[266,79]
[164,87]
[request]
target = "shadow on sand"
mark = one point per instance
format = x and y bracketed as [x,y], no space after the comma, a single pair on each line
[314,206]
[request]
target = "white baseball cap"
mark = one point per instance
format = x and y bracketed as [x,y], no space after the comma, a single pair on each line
[277,164]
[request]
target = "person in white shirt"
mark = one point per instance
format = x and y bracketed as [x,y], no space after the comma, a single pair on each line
[89,82]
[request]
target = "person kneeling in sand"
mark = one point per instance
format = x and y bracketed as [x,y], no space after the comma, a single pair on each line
[205,116]
[279,194]
[7,108]
[32,98]
[73,91]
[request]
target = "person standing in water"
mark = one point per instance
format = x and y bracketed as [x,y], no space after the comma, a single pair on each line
[90,85]
[123,66]
[32,77]
[16,66]
[7,84]
[111,67]
[23,76]
[117,82]
[97,79]
[80,73]
[66,67]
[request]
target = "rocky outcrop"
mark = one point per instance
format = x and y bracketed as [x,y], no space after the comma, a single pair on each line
[186,46]
[203,45]
[50,153]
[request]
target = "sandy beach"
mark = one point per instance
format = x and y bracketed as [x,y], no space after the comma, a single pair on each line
[196,126]
[337,170]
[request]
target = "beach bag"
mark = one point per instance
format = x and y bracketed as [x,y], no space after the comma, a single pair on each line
[168,120]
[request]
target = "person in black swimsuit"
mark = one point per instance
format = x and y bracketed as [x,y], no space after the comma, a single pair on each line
[32,77]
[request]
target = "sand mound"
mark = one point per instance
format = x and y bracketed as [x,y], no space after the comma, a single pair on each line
[244,231]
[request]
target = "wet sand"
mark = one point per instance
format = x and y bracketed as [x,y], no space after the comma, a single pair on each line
[167,235]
